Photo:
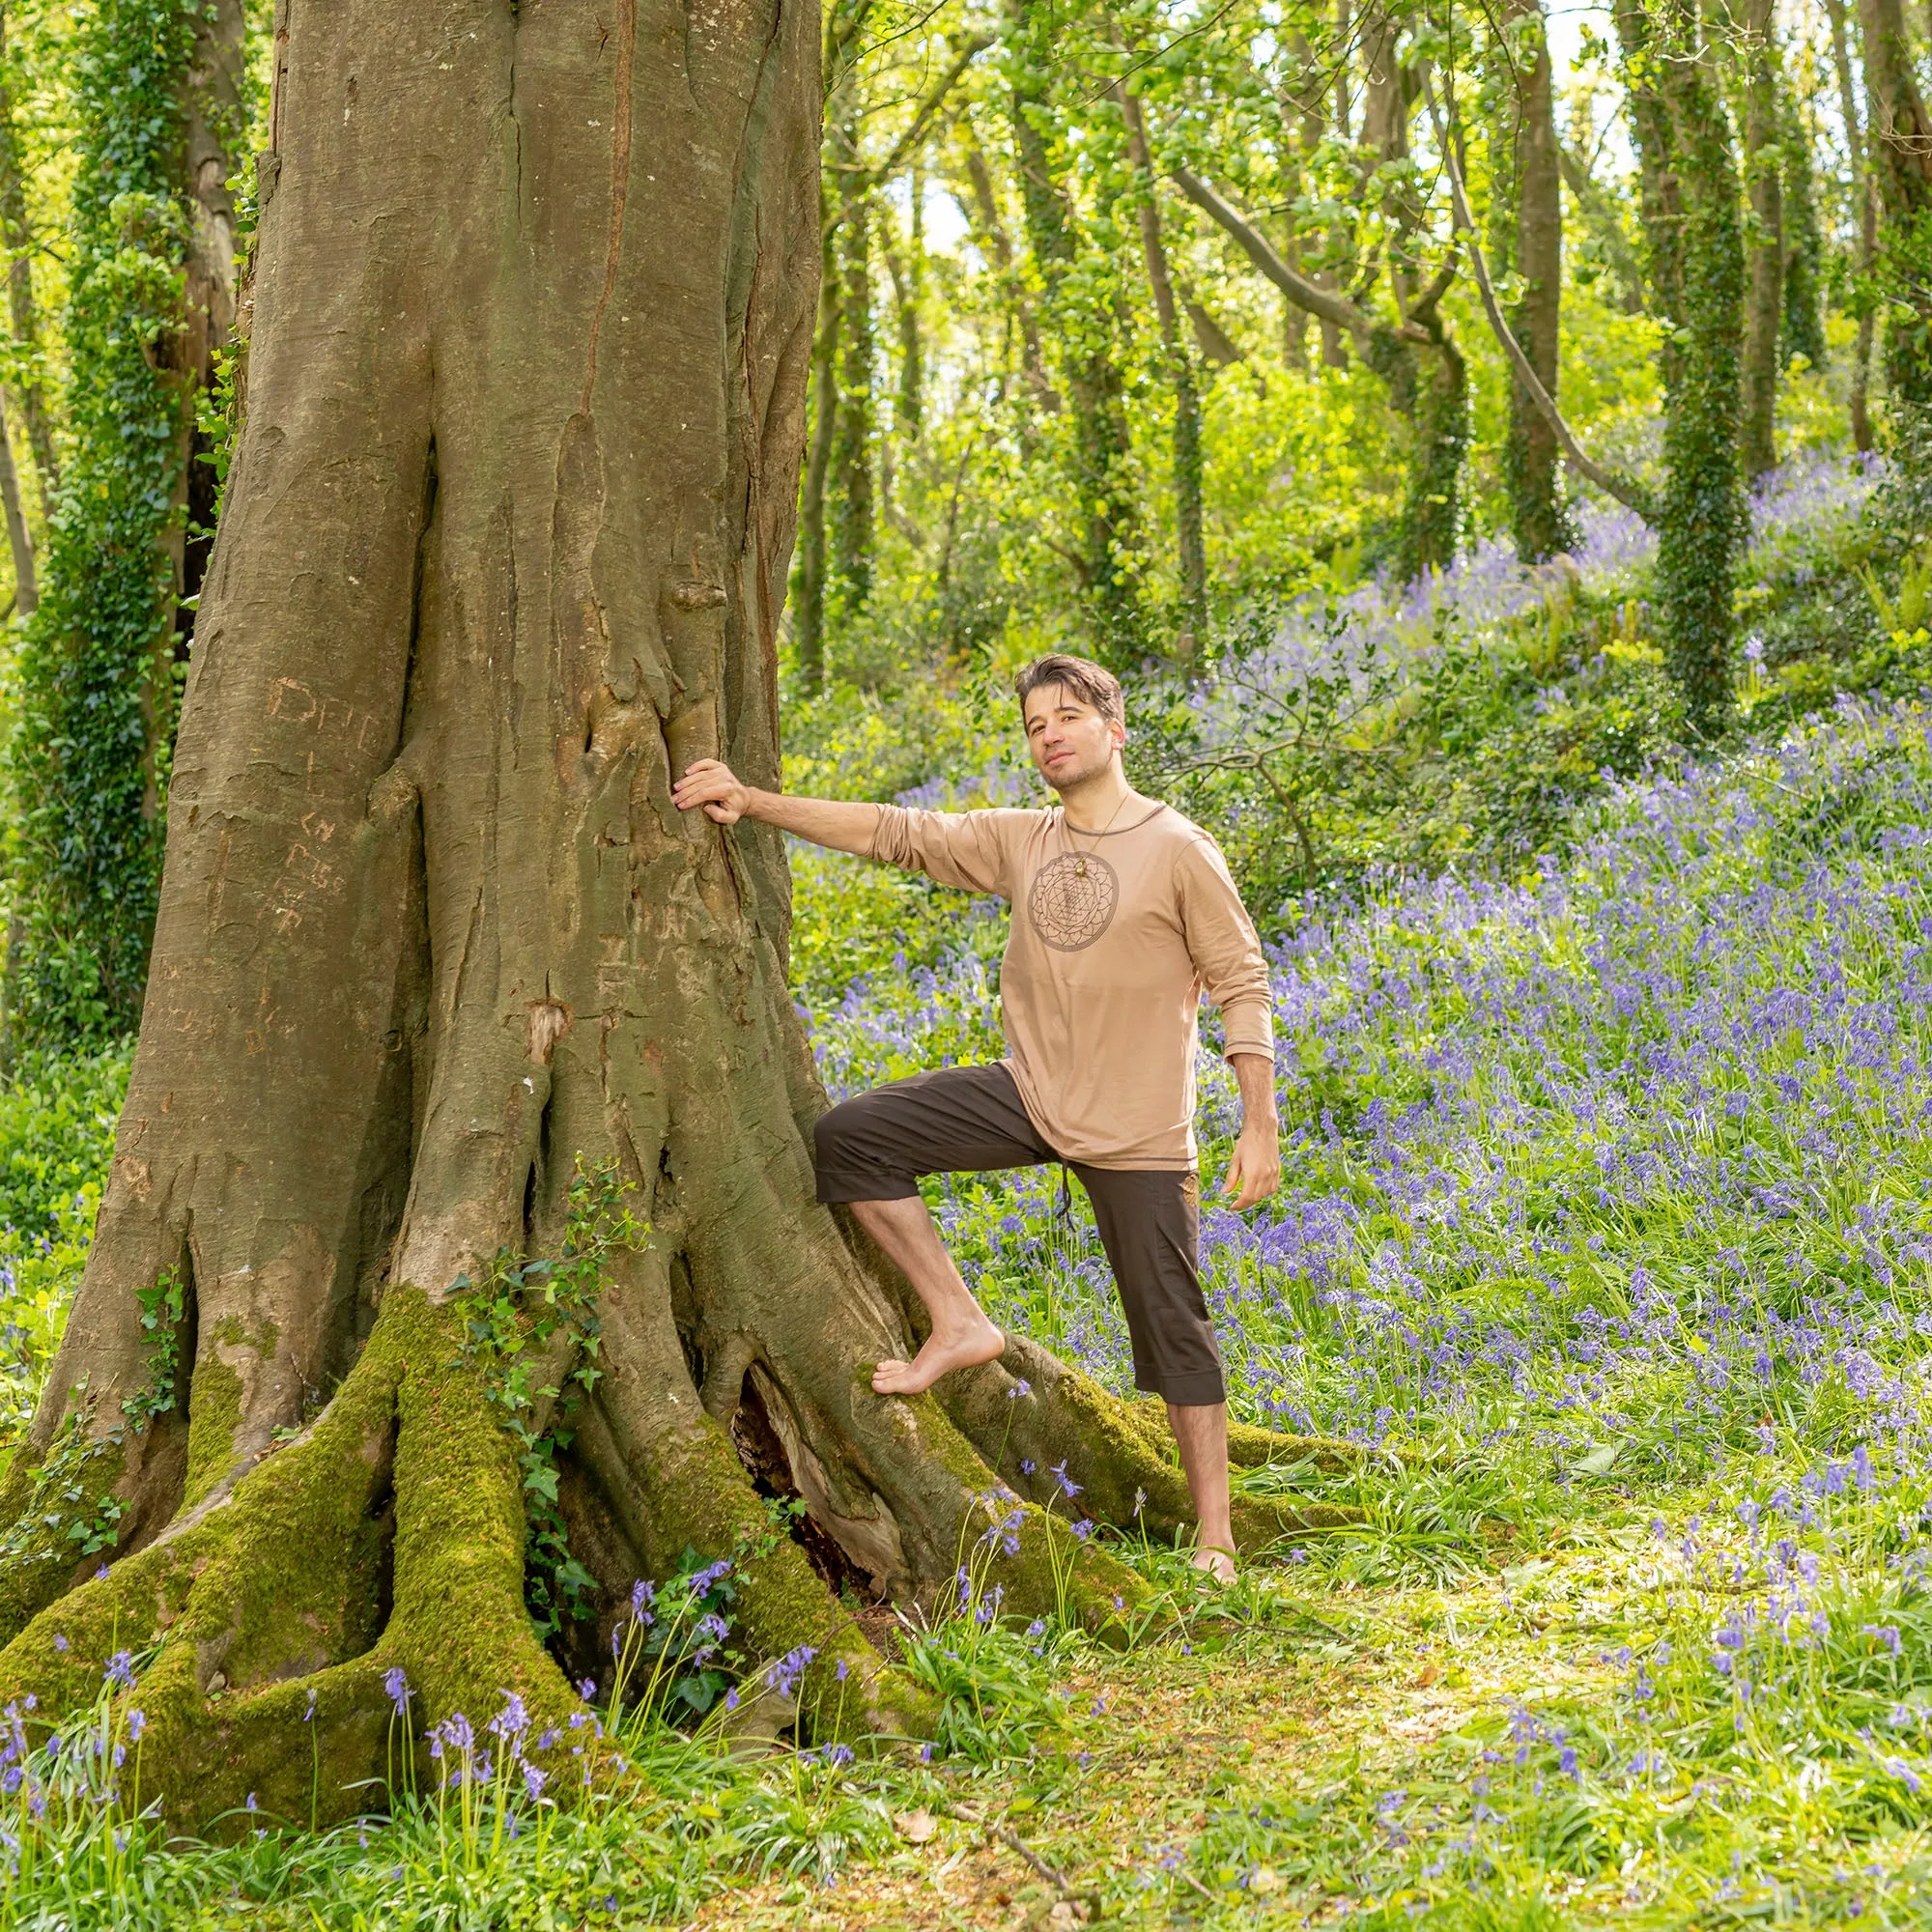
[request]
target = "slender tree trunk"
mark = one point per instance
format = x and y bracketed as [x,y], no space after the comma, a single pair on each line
[1301,99]
[904,267]
[982,210]
[1090,357]
[1530,226]
[854,439]
[17,236]
[502,554]
[1334,341]
[1864,187]
[1765,239]
[809,618]
[26,588]
[215,115]
[1187,509]
[907,269]
[1692,231]
[150,298]
[1604,227]
[1804,331]
[1900,137]
[1433,394]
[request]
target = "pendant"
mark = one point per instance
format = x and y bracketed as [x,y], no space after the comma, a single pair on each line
[1080,868]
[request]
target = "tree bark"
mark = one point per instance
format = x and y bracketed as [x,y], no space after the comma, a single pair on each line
[1531,224]
[1690,194]
[502,552]
[1089,359]
[1900,137]
[1866,188]
[1764,246]
[17,235]
[1187,507]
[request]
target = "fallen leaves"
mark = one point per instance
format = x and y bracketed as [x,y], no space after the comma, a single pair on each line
[914,1827]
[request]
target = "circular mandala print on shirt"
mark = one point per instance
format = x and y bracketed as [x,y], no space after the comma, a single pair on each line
[1072,901]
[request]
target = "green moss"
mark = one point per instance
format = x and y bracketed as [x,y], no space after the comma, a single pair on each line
[214,1414]
[276,1593]
[459,1620]
[237,1334]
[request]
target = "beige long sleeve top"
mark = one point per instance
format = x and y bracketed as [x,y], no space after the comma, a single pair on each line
[1115,937]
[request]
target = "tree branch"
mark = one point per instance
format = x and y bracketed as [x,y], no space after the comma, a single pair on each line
[863,179]
[1625,490]
[1326,303]
[921,119]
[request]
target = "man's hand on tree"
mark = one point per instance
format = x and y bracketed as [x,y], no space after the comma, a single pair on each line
[709,783]
[1255,1171]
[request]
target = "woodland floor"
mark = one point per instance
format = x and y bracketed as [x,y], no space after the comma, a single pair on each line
[1607,1211]
[1301,1698]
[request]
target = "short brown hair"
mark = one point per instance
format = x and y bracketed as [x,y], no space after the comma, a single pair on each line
[1090,683]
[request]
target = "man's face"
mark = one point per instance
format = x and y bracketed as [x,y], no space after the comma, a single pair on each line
[1070,742]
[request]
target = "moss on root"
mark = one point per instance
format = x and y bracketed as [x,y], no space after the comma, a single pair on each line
[694,1493]
[1119,1454]
[267,1603]
[214,1415]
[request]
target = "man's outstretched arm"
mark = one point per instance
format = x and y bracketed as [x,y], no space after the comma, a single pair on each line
[824,821]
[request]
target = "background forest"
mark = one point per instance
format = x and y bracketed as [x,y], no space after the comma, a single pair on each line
[1494,444]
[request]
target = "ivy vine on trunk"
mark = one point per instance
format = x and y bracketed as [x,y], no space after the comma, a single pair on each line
[159,89]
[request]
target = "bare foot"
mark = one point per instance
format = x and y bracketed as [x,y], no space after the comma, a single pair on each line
[940,1356]
[1215,1566]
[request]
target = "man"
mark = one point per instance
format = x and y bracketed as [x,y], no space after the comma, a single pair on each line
[1123,914]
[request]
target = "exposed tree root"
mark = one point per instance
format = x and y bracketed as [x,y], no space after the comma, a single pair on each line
[390,1534]
[1118,1454]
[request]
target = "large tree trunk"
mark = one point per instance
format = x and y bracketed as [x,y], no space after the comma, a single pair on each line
[503,549]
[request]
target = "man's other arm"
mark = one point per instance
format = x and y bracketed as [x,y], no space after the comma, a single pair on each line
[1221,940]
[1255,1171]
[823,821]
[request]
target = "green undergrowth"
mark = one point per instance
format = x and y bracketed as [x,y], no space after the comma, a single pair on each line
[56,1133]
